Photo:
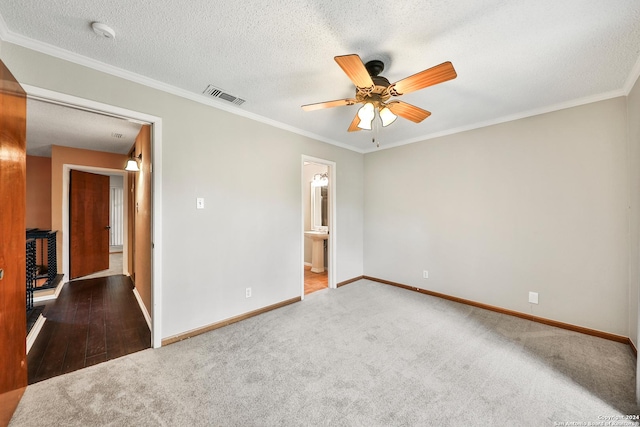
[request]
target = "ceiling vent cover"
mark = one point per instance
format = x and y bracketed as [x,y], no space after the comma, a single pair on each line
[216,92]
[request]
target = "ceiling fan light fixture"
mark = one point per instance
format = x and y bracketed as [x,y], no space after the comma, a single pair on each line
[374,90]
[366,114]
[387,116]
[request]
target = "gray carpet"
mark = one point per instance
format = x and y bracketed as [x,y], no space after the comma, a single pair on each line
[366,354]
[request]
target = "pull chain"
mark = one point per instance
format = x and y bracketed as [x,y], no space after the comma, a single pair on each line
[375,130]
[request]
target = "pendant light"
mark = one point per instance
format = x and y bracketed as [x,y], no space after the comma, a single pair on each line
[132,163]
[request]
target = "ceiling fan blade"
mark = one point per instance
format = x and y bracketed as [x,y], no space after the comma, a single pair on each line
[432,76]
[354,69]
[408,111]
[328,104]
[354,124]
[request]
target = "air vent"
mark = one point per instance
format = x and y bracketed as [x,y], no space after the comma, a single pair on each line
[116,135]
[215,92]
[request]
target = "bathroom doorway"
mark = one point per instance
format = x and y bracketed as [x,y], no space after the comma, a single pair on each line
[318,208]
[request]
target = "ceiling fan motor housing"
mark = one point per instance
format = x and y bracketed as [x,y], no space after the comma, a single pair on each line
[379,94]
[374,67]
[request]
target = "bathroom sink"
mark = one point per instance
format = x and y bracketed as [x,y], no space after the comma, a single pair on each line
[317,249]
[317,235]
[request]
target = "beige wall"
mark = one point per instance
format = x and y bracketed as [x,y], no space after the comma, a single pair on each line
[61,156]
[538,204]
[249,232]
[39,192]
[38,211]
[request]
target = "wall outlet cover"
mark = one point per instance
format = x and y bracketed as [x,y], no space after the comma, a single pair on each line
[533,297]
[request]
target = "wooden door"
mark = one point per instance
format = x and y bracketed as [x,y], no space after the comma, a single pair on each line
[13,316]
[88,223]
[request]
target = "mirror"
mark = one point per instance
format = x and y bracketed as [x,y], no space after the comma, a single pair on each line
[319,202]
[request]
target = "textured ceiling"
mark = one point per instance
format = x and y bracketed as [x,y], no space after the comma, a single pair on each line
[513,58]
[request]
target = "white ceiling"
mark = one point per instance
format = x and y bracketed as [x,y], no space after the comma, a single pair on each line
[51,124]
[513,58]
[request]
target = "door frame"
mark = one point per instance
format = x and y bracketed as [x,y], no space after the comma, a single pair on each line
[333,229]
[156,185]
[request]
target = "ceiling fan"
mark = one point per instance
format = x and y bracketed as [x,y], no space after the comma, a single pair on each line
[374,91]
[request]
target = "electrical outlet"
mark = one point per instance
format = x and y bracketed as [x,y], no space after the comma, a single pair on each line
[425,274]
[247,292]
[533,297]
[200,203]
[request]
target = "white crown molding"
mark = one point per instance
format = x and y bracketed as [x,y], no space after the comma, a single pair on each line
[48,49]
[509,118]
[11,37]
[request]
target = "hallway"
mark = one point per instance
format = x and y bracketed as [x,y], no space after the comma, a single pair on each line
[91,321]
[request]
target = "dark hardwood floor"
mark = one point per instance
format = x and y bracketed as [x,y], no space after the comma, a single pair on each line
[91,321]
[314,281]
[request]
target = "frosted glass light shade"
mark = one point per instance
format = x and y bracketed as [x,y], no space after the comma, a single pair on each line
[132,166]
[366,115]
[387,117]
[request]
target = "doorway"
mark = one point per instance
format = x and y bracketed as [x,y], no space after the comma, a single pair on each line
[318,224]
[155,159]
[94,318]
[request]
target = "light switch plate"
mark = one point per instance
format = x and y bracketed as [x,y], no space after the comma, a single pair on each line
[200,203]
[533,297]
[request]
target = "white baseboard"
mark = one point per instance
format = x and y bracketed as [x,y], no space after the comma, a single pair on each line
[48,294]
[145,313]
[35,330]
[307,264]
